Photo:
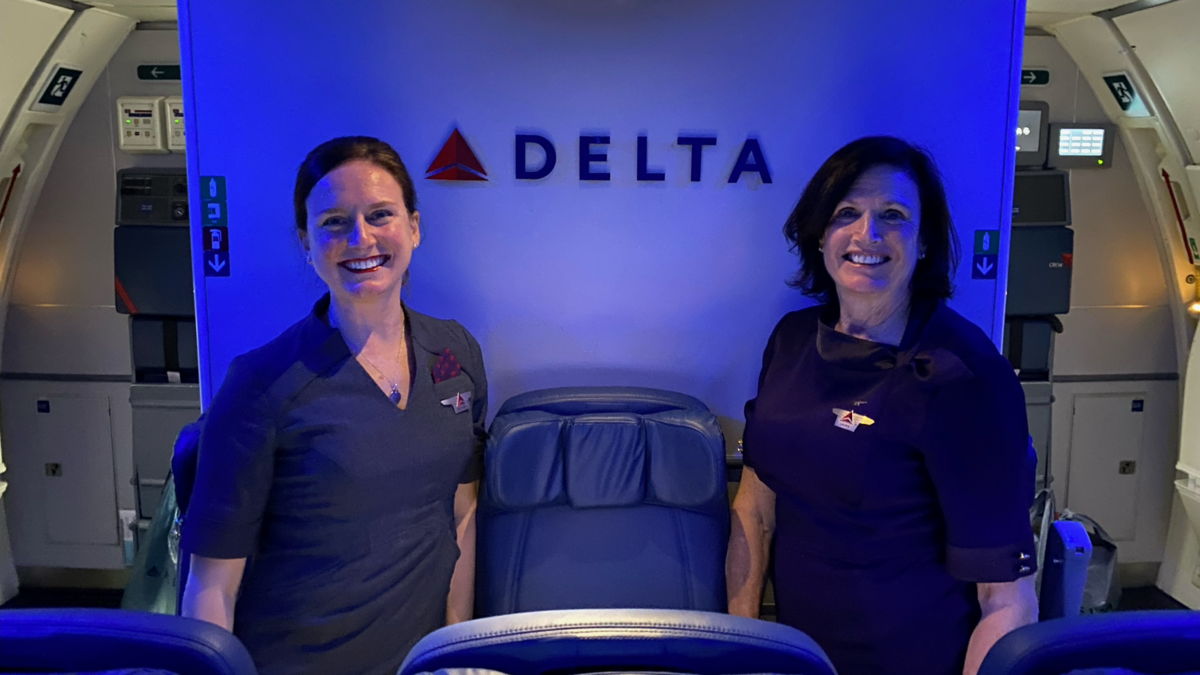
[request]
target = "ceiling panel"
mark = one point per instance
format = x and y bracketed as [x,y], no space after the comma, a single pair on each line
[142,10]
[1164,39]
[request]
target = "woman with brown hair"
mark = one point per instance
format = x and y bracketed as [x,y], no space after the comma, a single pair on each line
[331,524]
[888,464]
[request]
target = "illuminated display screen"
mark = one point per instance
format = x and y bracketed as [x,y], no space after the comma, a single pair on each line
[1081,142]
[1028,123]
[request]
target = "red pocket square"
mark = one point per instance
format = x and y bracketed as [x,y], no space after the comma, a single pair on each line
[446,367]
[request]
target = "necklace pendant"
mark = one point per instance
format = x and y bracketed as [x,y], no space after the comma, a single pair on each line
[395,395]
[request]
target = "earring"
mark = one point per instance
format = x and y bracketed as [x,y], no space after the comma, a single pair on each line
[821,248]
[922,256]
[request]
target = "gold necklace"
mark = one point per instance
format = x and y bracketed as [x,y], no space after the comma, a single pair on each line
[394,396]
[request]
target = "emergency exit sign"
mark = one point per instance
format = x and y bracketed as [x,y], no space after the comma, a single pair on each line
[1035,77]
[158,72]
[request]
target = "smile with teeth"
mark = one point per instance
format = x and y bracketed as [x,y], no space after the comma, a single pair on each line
[363,265]
[863,259]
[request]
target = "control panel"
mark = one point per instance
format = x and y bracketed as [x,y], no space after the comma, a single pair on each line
[141,125]
[1081,146]
[176,136]
[152,197]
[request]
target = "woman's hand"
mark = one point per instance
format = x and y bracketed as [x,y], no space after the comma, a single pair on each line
[752,527]
[460,604]
[212,589]
[1006,607]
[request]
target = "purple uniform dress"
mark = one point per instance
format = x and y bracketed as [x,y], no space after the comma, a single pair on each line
[343,503]
[903,477]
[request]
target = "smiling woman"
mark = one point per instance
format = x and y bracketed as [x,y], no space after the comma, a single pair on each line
[895,433]
[332,520]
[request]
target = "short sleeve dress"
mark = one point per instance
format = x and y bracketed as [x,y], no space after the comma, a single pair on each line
[342,502]
[903,477]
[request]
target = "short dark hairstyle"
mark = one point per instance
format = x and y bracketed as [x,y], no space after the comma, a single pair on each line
[331,154]
[805,227]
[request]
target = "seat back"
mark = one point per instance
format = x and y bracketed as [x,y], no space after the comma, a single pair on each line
[183,472]
[1148,642]
[602,497]
[617,640]
[81,640]
[1064,570]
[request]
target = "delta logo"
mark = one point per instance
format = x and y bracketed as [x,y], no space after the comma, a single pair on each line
[456,161]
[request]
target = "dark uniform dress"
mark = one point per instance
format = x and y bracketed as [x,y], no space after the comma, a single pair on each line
[343,503]
[903,477]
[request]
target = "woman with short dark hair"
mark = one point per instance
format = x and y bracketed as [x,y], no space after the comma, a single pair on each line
[332,521]
[887,458]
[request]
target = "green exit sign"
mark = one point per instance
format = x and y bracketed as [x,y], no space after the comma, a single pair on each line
[1035,77]
[158,72]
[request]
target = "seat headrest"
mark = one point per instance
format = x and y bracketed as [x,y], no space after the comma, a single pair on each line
[618,640]
[584,400]
[606,457]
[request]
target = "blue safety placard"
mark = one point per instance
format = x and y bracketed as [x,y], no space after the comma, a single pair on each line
[984,266]
[987,242]
[216,263]
[212,188]
[216,239]
[213,212]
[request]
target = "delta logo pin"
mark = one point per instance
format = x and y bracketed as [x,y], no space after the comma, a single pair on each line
[850,420]
[460,402]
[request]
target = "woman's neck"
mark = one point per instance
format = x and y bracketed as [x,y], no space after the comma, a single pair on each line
[878,318]
[378,320]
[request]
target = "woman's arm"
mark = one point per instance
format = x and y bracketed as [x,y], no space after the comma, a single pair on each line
[752,527]
[460,604]
[1006,607]
[212,589]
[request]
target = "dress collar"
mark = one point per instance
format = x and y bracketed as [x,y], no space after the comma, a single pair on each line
[930,362]
[334,348]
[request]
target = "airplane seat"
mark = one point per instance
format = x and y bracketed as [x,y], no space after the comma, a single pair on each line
[593,641]
[183,472]
[599,497]
[107,640]
[1154,642]
[1064,570]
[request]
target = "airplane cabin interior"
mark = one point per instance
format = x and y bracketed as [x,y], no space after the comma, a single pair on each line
[597,196]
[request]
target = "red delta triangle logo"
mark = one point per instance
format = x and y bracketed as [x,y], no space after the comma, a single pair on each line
[456,161]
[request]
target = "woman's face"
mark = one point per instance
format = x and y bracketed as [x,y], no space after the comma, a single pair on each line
[360,236]
[872,243]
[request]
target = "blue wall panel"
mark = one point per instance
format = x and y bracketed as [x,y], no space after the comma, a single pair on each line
[669,283]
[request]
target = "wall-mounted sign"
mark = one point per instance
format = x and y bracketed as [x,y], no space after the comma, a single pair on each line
[1035,77]
[215,217]
[987,242]
[984,266]
[62,80]
[1121,86]
[457,162]
[158,72]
